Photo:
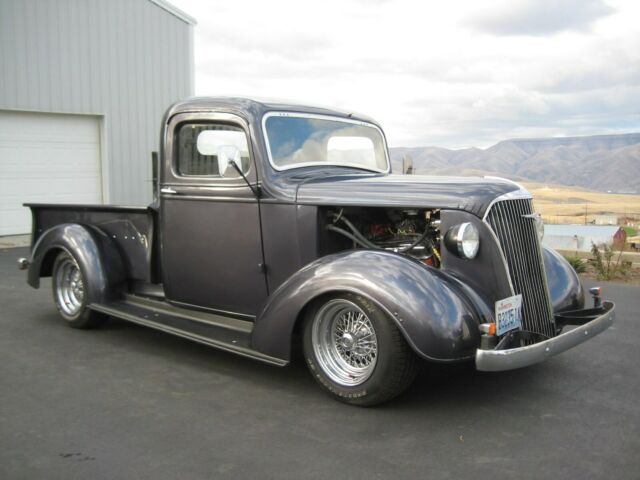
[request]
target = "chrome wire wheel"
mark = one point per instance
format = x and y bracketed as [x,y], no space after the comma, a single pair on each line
[344,342]
[69,287]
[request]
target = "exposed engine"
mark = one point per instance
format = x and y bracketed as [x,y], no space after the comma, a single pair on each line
[411,232]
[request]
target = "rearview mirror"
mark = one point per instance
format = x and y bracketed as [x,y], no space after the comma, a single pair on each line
[227,146]
[227,156]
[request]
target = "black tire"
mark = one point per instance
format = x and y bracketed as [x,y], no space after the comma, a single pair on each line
[68,280]
[395,364]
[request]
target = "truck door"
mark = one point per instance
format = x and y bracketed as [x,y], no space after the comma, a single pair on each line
[209,220]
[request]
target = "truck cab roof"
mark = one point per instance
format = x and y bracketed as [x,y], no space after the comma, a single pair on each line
[254,108]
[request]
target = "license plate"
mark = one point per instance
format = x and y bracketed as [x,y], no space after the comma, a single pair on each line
[508,314]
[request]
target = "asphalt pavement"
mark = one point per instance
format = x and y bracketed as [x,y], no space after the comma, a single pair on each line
[126,402]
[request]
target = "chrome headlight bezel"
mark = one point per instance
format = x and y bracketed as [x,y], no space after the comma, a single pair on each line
[463,240]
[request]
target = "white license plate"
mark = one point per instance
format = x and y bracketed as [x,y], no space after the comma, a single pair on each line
[508,314]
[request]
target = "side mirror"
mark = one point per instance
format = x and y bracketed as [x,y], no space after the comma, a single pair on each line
[227,156]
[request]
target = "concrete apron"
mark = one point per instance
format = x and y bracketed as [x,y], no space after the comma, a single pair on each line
[13,241]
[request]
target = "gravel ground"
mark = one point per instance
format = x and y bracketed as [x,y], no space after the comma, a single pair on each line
[129,402]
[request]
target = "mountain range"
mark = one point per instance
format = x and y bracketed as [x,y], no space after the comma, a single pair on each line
[609,163]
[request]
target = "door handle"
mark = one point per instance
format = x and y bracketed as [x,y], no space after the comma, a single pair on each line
[168,190]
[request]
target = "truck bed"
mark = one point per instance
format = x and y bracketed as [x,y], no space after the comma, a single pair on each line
[132,229]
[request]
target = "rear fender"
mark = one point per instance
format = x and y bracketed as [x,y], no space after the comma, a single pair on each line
[437,317]
[97,257]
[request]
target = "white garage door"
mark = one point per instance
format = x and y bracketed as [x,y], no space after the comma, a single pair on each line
[46,158]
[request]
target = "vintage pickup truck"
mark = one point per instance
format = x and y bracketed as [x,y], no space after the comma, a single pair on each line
[280,225]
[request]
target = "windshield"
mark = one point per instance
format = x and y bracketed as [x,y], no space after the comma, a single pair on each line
[299,140]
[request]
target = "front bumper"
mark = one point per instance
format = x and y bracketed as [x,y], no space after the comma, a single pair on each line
[590,323]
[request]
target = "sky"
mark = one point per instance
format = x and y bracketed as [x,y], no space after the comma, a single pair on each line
[453,73]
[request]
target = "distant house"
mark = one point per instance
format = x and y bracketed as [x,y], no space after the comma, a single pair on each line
[620,236]
[580,237]
[605,219]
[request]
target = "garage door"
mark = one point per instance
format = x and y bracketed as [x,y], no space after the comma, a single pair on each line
[46,158]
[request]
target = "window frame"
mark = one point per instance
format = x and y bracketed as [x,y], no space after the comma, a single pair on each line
[203,125]
[173,175]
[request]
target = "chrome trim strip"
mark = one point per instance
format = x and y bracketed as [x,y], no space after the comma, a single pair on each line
[500,360]
[208,198]
[268,115]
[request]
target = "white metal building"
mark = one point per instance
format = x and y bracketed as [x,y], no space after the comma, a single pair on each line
[83,86]
[578,238]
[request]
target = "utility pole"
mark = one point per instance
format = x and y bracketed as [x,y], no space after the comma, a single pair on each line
[586,209]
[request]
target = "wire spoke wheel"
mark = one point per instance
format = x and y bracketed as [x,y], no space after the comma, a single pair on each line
[345,342]
[69,290]
[72,293]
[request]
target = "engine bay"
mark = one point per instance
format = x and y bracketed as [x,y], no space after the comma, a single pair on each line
[411,232]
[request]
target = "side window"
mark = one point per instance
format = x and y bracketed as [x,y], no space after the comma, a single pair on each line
[205,149]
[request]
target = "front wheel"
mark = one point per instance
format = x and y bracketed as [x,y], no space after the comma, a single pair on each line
[355,352]
[69,293]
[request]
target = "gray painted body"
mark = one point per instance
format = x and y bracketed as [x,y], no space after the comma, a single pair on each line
[470,194]
[564,285]
[121,61]
[97,257]
[130,230]
[220,249]
[431,309]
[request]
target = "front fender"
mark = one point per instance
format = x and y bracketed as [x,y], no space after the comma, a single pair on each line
[97,257]
[563,282]
[432,310]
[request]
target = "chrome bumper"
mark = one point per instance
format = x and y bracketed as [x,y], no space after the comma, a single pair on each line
[509,359]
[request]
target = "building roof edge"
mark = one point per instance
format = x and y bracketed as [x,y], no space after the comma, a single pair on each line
[175,11]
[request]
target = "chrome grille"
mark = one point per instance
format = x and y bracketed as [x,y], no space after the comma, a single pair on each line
[521,248]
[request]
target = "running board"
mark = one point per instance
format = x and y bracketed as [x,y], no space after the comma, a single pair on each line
[225,333]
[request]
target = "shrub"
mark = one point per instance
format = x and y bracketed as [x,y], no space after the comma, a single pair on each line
[608,262]
[578,264]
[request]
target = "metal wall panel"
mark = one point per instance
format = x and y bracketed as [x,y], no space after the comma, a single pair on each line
[124,60]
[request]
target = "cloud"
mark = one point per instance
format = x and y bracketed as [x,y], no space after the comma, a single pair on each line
[425,71]
[512,113]
[607,66]
[540,17]
[293,45]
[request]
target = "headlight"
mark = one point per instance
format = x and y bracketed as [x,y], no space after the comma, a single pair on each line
[463,240]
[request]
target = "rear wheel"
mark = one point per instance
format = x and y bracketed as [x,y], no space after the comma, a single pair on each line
[69,293]
[355,352]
